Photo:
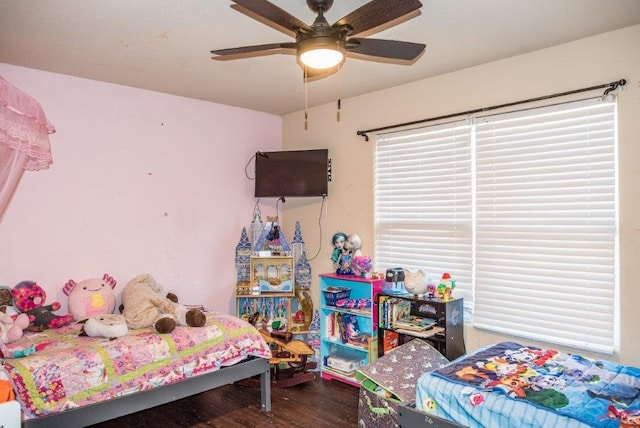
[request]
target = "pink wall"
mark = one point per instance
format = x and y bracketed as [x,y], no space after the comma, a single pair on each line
[141,182]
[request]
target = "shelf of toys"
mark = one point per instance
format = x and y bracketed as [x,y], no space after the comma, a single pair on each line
[348,325]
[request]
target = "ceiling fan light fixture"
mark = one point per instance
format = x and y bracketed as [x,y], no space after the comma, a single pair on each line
[321,53]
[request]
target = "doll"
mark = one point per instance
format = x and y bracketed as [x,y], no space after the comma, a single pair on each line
[6,300]
[354,245]
[344,263]
[338,242]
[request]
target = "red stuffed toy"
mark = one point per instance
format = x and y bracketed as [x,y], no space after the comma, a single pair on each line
[29,298]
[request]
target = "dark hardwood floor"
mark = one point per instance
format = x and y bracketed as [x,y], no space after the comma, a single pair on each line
[318,404]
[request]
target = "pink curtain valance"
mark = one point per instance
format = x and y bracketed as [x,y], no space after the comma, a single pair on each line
[24,127]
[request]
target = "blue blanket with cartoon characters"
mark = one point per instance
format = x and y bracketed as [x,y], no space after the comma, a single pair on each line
[596,392]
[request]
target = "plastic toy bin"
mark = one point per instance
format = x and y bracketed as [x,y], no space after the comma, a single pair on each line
[333,294]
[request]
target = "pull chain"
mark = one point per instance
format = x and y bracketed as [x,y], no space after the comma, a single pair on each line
[339,100]
[306,113]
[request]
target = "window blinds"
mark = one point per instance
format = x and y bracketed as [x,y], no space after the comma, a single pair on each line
[546,224]
[520,208]
[423,210]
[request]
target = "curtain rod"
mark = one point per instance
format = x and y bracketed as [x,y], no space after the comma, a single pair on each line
[610,87]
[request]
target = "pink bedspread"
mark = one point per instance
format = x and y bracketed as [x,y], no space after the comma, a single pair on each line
[69,371]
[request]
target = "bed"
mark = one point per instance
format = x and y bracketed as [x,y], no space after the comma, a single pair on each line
[508,384]
[73,380]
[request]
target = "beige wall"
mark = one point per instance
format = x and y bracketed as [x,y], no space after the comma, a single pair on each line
[588,62]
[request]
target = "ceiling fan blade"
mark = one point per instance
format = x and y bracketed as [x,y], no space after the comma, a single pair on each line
[391,49]
[271,15]
[376,13]
[267,49]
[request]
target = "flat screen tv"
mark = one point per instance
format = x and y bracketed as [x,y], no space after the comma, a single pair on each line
[292,173]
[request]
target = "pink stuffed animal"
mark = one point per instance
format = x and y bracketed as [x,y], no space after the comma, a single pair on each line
[29,298]
[91,297]
[10,329]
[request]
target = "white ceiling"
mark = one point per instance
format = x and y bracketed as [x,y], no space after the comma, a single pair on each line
[164,45]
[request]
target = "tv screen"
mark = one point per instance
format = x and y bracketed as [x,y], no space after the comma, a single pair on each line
[292,173]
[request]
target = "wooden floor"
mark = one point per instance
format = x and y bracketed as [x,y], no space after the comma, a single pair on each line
[317,404]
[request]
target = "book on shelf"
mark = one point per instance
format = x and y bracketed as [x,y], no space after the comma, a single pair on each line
[361,340]
[401,309]
[390,340]
[392,309]
[424,333]
[382,310]
[414,323]
[347,326]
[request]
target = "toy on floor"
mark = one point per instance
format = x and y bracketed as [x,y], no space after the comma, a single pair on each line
[29,298]
[145,304]
[289,365]
[91,297]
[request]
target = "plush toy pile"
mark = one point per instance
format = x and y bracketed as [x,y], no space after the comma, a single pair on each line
[145,303]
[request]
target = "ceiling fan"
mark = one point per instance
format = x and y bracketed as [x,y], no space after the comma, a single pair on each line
[321,48]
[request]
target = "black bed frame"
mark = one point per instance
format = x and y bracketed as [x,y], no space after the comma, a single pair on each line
[114,408]
[410,417]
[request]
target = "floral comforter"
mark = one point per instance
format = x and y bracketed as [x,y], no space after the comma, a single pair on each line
[69,371]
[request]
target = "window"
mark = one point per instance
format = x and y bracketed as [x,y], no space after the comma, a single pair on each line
[520,208]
